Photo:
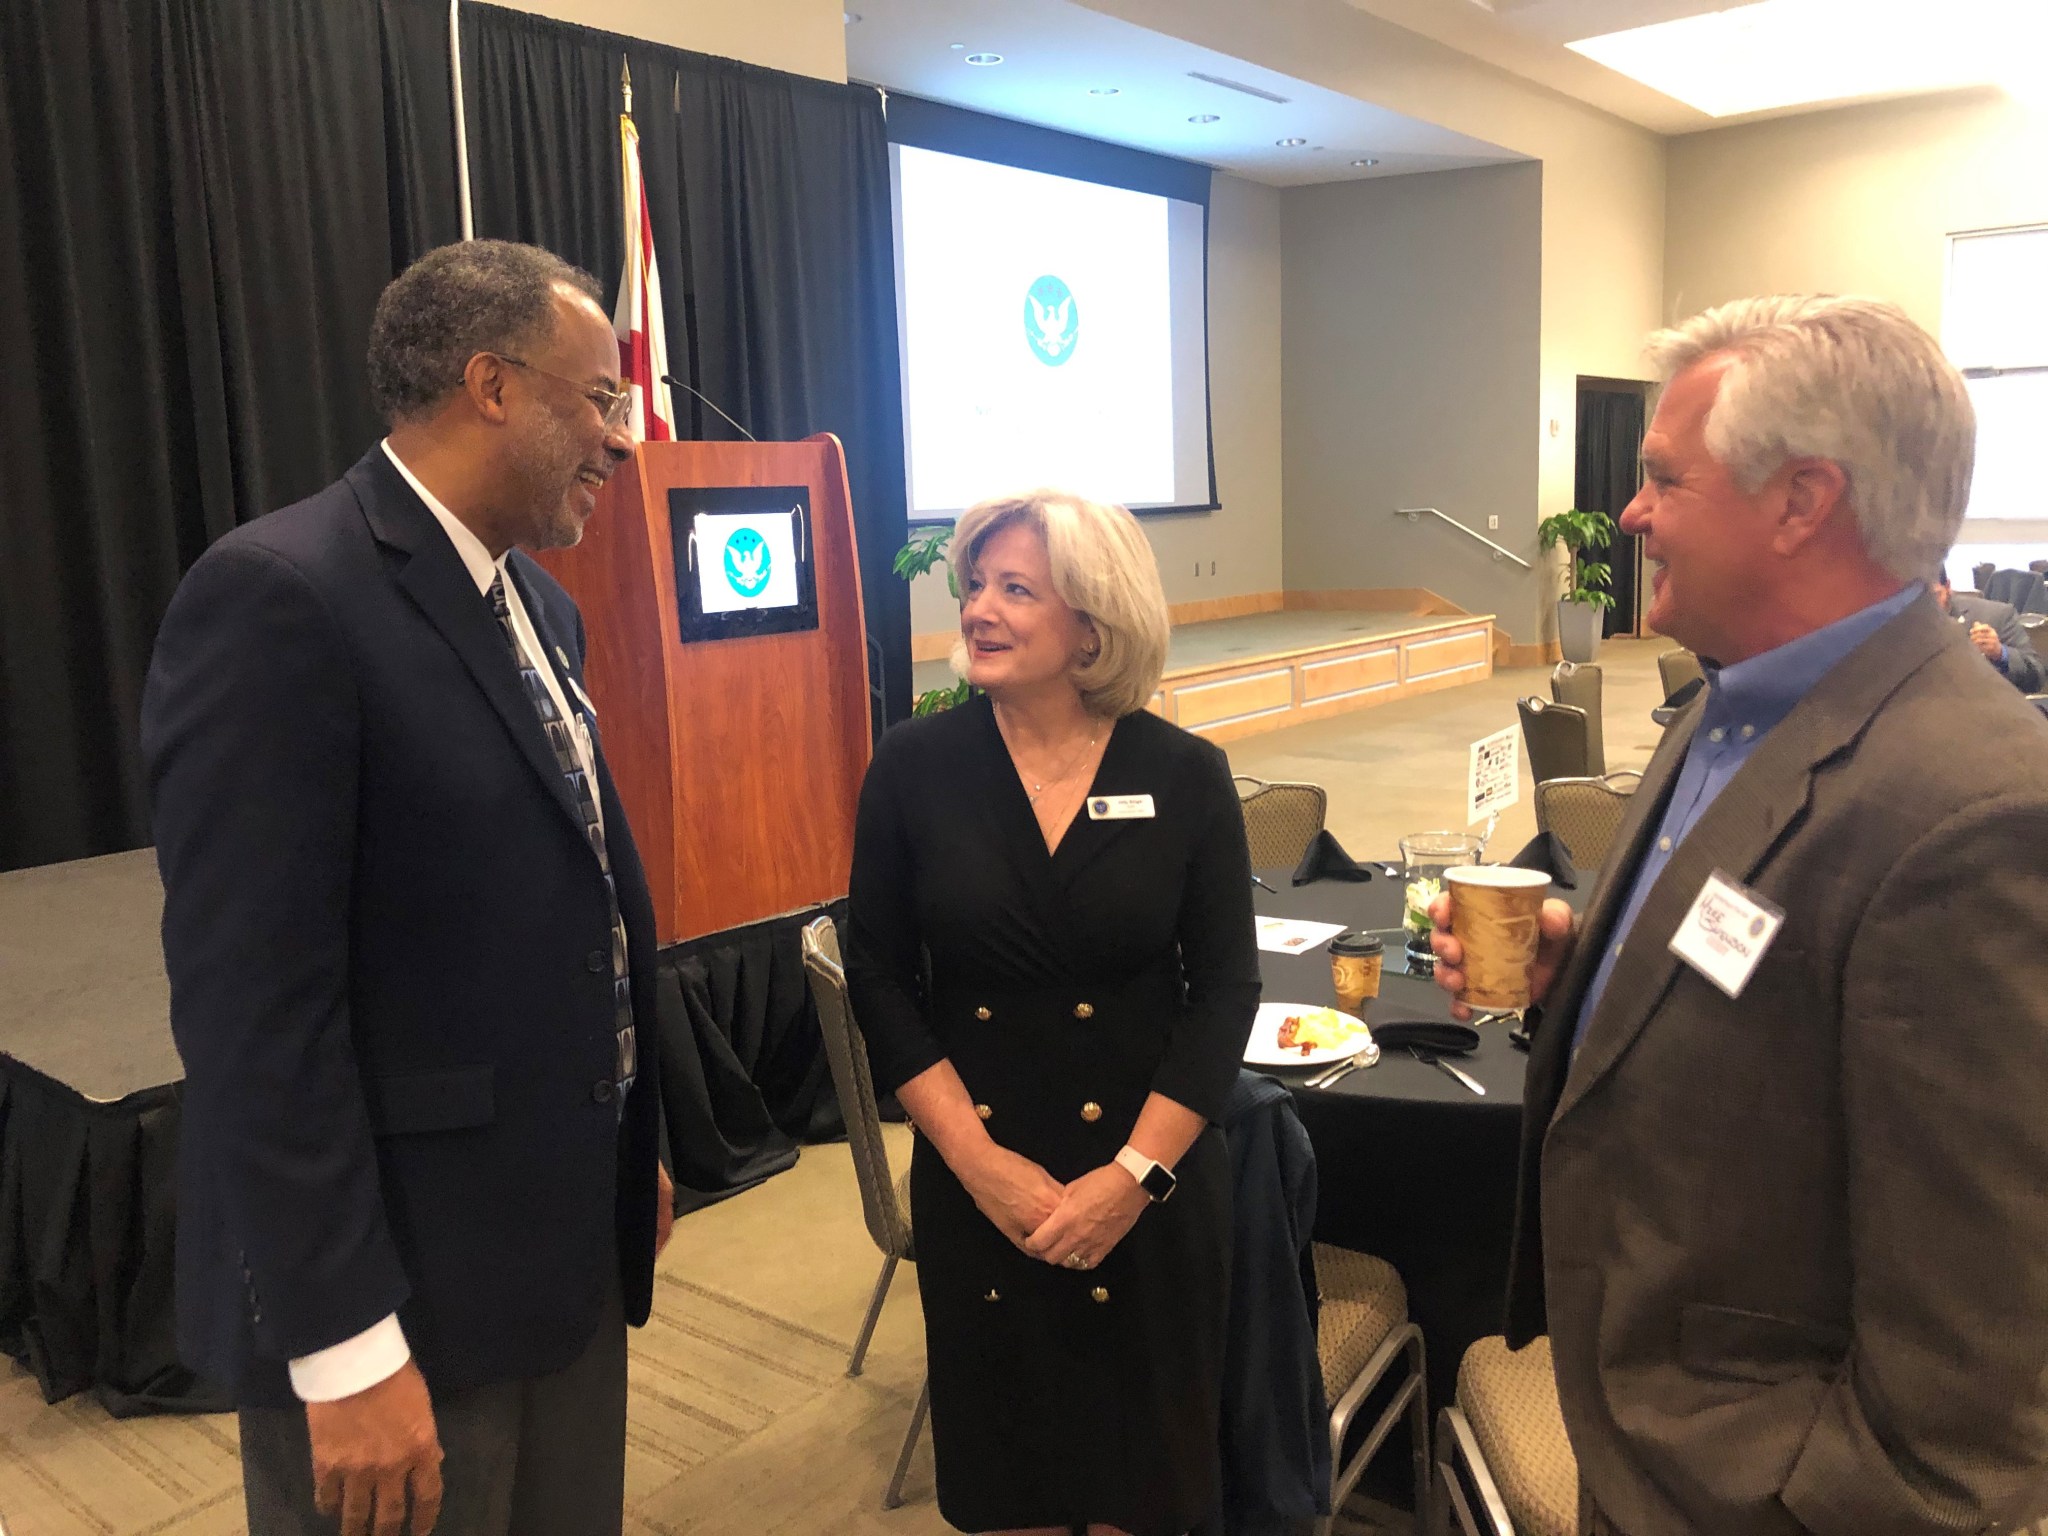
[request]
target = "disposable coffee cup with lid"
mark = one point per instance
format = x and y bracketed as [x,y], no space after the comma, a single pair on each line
[1355,960]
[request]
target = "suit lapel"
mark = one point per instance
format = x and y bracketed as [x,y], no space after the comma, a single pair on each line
[1767,796]
[439,585]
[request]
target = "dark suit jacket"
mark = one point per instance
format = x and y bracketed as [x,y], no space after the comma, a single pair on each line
[389,950]
[1792,1248]
[2022,664]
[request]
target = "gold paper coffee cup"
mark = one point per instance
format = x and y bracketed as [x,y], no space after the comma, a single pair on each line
[1355,960]
[1494,912]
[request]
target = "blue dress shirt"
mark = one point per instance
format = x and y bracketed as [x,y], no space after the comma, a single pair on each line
[1743,703]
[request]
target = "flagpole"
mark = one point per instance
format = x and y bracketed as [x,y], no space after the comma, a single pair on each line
[461,119]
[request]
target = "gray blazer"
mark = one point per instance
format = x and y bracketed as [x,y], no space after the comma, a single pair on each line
[2022,665]
[1792,1248]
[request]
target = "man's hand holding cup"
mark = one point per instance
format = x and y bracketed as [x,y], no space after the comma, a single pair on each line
[1556,929]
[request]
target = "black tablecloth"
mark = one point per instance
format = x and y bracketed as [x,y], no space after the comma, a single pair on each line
[89,1114]
[1412,1166]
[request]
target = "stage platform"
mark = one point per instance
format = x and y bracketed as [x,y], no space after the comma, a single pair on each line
[1227,678]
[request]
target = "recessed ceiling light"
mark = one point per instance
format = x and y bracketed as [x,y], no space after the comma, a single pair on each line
[1289,143]
[984,58]
[1364,165]
[1105,90]
[956,47]
[1205,117]
[1783,53]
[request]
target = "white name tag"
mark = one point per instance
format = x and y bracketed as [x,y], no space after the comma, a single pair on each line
[1120,808]
[1726,933]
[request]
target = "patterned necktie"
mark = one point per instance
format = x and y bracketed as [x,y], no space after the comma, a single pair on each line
[584,793]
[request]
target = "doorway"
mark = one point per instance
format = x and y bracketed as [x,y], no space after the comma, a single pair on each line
[1612,416]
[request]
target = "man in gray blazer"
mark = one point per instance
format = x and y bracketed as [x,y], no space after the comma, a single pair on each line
[1995,630]
[1784,1203]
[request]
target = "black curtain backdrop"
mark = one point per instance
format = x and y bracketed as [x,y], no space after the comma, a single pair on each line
[1610,445]
[768,195]
[200,203]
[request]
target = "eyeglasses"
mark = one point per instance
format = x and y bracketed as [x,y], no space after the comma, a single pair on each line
[612,404]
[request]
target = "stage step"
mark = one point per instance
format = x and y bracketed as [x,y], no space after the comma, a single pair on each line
[1230,678]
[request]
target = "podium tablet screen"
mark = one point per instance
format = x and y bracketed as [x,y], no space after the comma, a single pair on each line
[743,560]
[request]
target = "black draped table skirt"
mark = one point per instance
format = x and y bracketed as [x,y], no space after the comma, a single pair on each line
[90,1100]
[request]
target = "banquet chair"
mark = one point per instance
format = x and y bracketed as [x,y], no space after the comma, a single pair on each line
[1578,683]
[1585,813]
[1362,1336]
[2020,588]
[1280,820]
[1502,1458]
[2038,565]
[884,1202]
[1677,668]
[1555,738]
[1979,574]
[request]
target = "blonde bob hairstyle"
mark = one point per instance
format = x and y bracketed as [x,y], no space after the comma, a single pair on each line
[1103,568]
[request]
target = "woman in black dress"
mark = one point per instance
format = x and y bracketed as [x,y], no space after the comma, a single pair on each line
[1050,950]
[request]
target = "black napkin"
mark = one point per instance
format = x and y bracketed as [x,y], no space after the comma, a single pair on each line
[1441,1035]
[1545,851]
[1327,860]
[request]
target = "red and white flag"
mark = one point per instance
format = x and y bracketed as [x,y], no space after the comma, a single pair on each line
[643,339]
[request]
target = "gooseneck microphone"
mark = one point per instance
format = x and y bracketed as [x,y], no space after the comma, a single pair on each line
[675,383]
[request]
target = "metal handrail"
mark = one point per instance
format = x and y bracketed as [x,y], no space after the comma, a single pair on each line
[1412,513]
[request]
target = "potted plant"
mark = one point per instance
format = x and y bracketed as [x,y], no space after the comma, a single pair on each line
[1585,591]
[925,550]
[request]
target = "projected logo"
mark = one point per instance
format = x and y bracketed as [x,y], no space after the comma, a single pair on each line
[1052,321]
[747,563]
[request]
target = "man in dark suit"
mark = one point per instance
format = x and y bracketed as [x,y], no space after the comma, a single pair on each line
[410,946]
[1783,1154]
[1995,630]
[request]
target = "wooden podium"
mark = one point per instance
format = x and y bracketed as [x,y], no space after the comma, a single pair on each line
[739,760]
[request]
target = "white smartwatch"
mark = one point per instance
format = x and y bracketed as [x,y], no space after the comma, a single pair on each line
[1156,1179]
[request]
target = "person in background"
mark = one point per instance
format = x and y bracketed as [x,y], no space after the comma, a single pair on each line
[1050,950]
[411,947]
[1995,630]
[1783,1152]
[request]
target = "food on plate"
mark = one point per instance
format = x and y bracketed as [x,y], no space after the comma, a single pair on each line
[1319,1028]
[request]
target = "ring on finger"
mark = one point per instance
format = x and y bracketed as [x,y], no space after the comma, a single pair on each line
[1077,1260]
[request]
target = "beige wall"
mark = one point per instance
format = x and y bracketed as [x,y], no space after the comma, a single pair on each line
[1858,200]
[1243,537]
[1603,199]
[805,37]
[1412,340]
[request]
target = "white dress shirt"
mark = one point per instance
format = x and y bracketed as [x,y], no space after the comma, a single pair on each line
[356,1364]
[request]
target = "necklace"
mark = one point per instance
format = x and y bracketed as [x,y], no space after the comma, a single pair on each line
[1039,787]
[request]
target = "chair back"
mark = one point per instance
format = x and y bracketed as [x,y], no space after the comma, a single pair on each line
[1979,574]
[2038,565]
[1677,668]
[2020,588]
[1555,738]
[847,1054]
[1280,820]
[1585,814]
[1578,683]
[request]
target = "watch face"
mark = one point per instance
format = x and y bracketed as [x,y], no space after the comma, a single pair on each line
[1158,1182]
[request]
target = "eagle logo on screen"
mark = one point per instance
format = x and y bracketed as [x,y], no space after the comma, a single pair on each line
[1052,322]
[747,563]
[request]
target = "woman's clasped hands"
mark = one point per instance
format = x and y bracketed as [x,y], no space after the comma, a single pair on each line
[1073,1225]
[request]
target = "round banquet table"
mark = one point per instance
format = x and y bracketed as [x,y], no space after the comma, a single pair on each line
[1412,1167]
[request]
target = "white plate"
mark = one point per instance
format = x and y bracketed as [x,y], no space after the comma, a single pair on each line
[1264,1048]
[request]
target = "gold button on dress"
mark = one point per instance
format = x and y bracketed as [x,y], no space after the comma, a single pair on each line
[1091,1111]
[1100,1293]
[1084,1010]
[983,1110]
[982,1013]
